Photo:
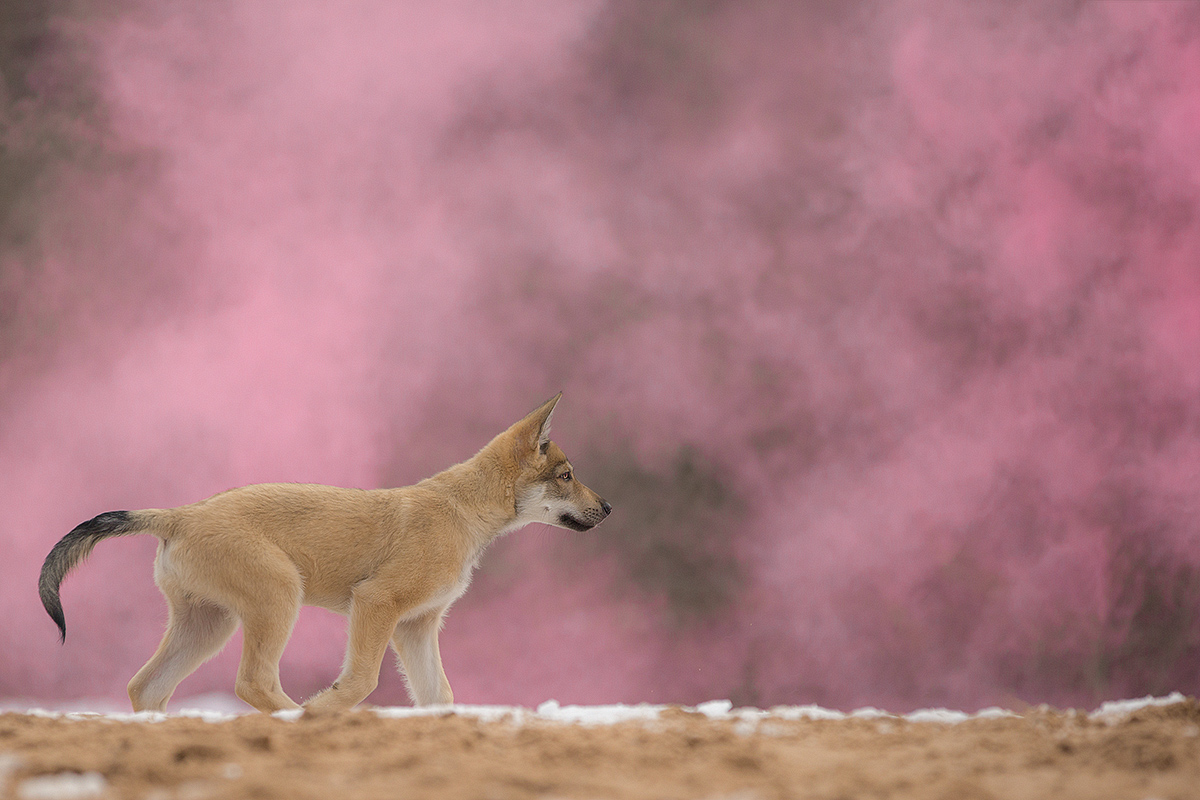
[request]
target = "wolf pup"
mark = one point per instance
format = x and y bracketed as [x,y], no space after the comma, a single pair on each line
[391,560]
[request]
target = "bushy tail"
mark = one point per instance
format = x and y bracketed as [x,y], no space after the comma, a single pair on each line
[73,548]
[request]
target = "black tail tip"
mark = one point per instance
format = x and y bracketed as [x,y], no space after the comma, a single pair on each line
[61,621]
[54,608]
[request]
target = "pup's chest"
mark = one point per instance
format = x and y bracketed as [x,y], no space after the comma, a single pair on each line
[449,590]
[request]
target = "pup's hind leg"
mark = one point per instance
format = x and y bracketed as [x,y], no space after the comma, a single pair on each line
[266,627]
[196,631]
[416,642]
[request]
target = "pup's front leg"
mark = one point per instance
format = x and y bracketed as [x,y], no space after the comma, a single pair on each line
[371,624]
[416,642]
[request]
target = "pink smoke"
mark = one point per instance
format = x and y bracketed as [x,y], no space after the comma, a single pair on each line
[879,325]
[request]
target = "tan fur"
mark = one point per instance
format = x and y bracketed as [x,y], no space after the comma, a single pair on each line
[391,560]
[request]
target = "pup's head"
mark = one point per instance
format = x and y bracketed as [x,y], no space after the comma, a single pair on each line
[546,489]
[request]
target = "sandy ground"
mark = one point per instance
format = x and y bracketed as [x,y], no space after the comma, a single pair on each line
[1153,752]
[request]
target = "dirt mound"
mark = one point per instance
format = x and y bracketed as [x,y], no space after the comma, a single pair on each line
[1151,752]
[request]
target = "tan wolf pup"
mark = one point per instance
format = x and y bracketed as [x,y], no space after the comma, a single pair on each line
[392,560]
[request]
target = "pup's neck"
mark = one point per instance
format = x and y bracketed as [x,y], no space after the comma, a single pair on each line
[481,488]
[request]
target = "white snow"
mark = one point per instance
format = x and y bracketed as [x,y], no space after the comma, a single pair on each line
[942,715]
[289,714]
[992,712]
[804,712]
[218,708]
[1116,709]
[63,786]
[715,709]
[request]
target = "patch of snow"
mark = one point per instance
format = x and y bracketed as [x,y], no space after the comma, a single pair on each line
[215,702]
[98,705]
[992,712]
[124,716]
[63,786]
[213,706]
[207,714]
[1116,709]
[715,709]
[38,712]
[870,713]
[805,712]
[943,715]
[485,713]
[597,715]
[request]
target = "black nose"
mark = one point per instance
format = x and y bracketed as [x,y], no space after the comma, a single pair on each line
[605,507]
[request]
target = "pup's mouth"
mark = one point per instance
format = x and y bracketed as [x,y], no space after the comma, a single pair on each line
[567,521]
[590,519]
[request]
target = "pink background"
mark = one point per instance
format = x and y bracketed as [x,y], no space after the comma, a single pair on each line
[878,324]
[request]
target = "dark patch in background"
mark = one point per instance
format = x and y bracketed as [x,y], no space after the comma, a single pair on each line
[84,225]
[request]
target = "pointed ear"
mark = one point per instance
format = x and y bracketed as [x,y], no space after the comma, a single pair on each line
[533,432]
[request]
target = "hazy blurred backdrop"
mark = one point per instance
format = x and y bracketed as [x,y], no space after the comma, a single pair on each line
[877,323]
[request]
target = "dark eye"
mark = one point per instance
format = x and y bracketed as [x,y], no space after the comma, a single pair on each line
[566,476]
